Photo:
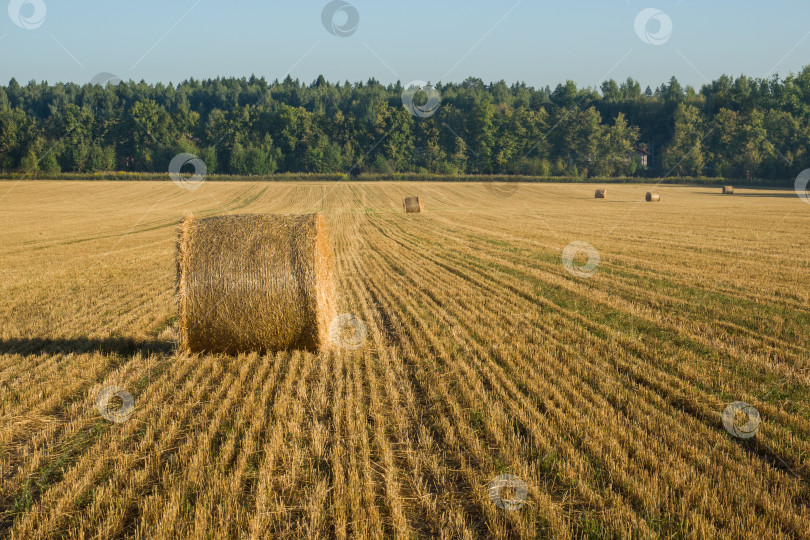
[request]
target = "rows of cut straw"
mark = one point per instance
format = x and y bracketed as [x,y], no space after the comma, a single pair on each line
[483,356]
[615,431]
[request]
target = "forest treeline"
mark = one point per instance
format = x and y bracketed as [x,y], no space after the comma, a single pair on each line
[739,128]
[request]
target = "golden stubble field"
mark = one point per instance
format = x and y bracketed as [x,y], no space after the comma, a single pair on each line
[483,356]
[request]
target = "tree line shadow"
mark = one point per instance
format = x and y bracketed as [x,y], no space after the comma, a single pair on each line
[121,346]
[757,192]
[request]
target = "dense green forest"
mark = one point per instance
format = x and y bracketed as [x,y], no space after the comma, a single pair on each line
[738,128]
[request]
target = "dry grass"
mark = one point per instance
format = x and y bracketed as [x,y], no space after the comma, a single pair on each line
[484,356]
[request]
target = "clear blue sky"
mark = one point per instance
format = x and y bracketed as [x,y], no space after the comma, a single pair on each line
[540,42]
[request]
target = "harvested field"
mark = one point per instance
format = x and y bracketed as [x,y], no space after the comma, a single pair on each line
[479,354]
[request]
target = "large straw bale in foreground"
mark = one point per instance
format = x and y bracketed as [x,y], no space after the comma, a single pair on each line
[254,283]
[412,205]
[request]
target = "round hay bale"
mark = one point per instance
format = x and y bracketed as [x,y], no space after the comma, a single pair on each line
[254,283]
[728,190]
[412,205]
[601,193]
[652,197]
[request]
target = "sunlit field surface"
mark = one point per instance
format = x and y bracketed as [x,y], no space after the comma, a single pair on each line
[484,356]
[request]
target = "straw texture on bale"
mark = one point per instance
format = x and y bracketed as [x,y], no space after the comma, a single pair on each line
[652,197]
[254,283]
[412,205]
[728,190]
[601,193]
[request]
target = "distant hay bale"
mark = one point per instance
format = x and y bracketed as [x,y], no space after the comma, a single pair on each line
[652,197]
[728,190]
[601,193]
[254,283]
[412,205]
